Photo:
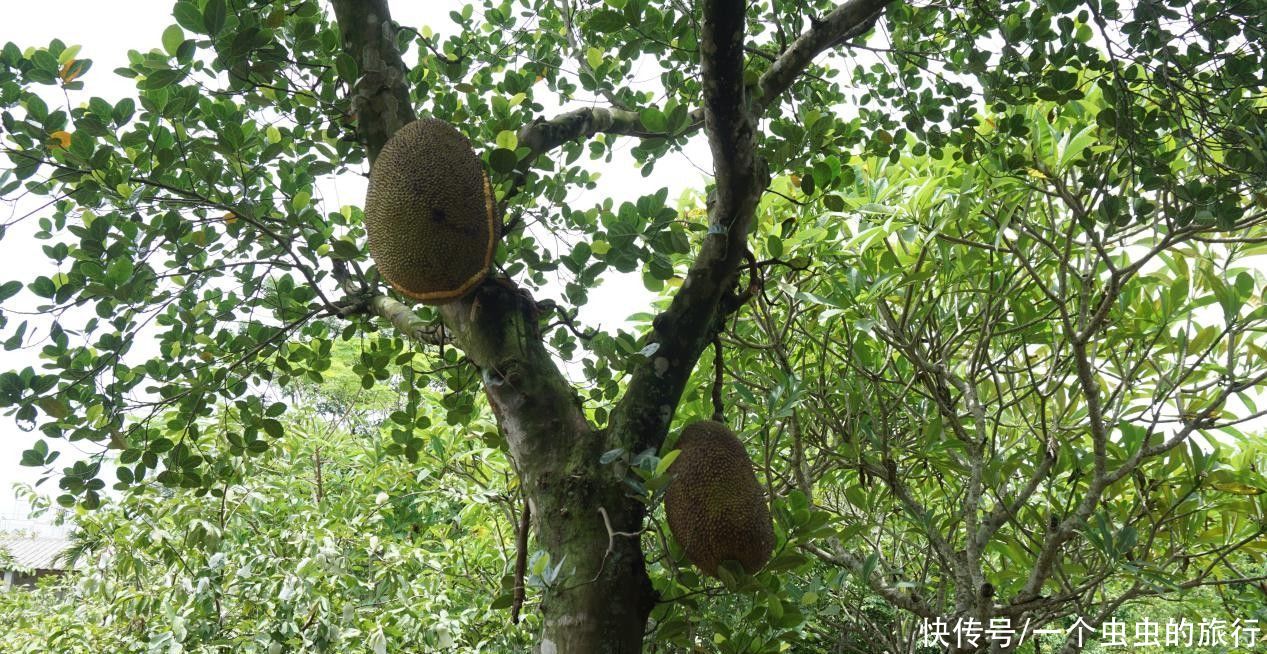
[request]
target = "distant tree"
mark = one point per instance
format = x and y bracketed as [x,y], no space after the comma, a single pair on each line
[323,542]
[1018,385]
[188,222]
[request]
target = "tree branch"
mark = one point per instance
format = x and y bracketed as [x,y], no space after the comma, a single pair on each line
[841,24]
[543,135]
[381,100]
[846,21]
[681,332]
[403,318]
[495,325]
[521,560]
[406,321]
[875,581]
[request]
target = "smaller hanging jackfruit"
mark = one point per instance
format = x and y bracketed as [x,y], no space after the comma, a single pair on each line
[714,505]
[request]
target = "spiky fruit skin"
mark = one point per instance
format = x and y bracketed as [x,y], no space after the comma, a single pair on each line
[714,505]
[430,213]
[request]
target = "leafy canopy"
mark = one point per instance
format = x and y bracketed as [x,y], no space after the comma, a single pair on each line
[1009,303]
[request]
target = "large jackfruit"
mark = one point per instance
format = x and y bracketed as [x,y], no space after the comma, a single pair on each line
[715,506]
[430,213]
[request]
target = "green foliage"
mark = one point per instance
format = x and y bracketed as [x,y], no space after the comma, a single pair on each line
[1010,288]
[326,542]
[186,218]
[931,352]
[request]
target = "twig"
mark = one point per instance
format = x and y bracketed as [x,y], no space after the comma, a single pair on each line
[719,369]
[611,540]
[521,560]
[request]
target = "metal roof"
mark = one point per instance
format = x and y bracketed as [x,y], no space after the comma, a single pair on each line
[33,552]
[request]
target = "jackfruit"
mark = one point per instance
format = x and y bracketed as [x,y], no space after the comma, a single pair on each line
[430,213]
[714,505]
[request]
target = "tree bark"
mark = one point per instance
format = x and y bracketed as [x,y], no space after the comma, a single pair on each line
[600,600]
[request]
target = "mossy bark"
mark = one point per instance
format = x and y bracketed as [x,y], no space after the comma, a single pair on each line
[601,597]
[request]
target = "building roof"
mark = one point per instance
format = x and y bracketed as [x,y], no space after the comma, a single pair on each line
[33,552]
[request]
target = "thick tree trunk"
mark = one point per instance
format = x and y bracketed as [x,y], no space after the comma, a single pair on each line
[601,601]
[601,597]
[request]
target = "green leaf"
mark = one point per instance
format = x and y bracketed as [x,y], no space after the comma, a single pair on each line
[187,16]
[807,184]
[346,66]
[161,78]
[652,119]
[68,55]
[660,267]
[9,289]
[35,456]
[213,16]
[605,20]
[347,250]
[502,160]
[119,271]
[173,36]
[301,201]
[594,57]
[869,565]
[123,111]
[665,462]
[272,427]
[43,287]
[774,245]
[507,139]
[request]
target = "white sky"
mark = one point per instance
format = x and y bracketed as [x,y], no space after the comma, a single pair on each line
[106,30]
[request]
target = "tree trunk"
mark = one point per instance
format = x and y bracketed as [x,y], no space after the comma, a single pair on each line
[601,596]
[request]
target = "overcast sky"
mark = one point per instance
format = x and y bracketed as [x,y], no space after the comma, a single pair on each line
[107,30]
